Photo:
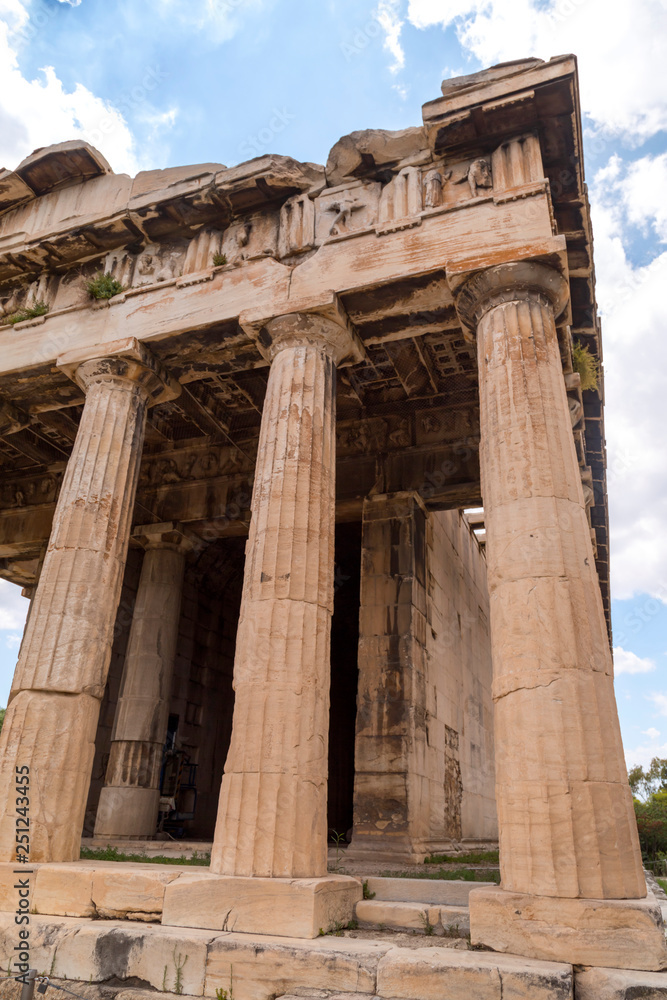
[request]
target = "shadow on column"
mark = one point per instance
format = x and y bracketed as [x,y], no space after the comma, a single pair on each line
[344,677]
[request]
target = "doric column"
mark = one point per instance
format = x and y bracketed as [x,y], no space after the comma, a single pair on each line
[567,826]
[60,677]
[272,818]
[128,805]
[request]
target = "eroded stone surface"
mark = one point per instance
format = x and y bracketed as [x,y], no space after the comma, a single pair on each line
[617,984]
[615,933]
[425,973]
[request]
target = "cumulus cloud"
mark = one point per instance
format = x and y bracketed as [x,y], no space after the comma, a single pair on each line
[626,662]
[621,52]
[652,733]
[41,111]
[13,607]
[634,328]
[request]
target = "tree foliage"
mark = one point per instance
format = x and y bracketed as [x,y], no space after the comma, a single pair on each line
[651,785]
[645,783]
[2,717]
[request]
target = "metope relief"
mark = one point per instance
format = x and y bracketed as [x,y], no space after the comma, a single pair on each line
[347,209]
[447,185]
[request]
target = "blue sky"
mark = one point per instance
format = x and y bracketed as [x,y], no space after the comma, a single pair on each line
[155,83]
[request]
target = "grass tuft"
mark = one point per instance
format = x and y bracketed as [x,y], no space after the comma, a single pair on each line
[39,309]
[472,858]
[104,286]
[450,874]
[587,366]
[113,854]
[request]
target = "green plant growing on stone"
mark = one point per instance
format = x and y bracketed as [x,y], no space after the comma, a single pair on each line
[587,366]
[338,839]
[179,965]
[104,286]
[451,931]
[30,312]
[219,259]
[367,892]
[52,970]
[429,928]
[164,979]
[353,925]
[222,994]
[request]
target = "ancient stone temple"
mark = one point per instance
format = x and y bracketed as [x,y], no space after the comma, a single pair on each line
[310,508]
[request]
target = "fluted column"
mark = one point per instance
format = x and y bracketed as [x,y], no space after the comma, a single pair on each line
[60,677]
[129,801]
[567,826]
[272,818]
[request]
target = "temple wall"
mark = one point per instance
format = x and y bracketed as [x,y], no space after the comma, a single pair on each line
[458,689]
[424,747]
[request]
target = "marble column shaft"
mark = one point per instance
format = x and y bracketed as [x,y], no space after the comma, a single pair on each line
[129,800]
[272,818]
[60,677]
[567,825]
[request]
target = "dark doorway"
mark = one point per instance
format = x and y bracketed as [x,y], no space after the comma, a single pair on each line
[344,676]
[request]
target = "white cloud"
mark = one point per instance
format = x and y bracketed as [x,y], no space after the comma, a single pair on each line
[626,662]
[644,754]
[643,192]
[387,14]
[40,112]
[660,701]
[13,607]
[13,640]
[72,3]
[620,48]
[218,19]
[634,333]
[652,734]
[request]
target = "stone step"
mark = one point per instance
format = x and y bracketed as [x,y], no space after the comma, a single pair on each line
[424,890]
[620,984]
[452,921]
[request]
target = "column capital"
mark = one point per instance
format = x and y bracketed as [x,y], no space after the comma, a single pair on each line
[122,361]
[166,535]
[306,321]
[525,280]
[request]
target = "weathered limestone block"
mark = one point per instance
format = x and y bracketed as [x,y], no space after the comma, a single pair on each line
[298,908]
[279,966]
[616,933]
[131,891]
[360,151]
[61,673]
[272,818]
[619,984]
[64,890]
[421,890]
[129,801]
[433,973]
[414,916]
[164,957]
[567,826]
